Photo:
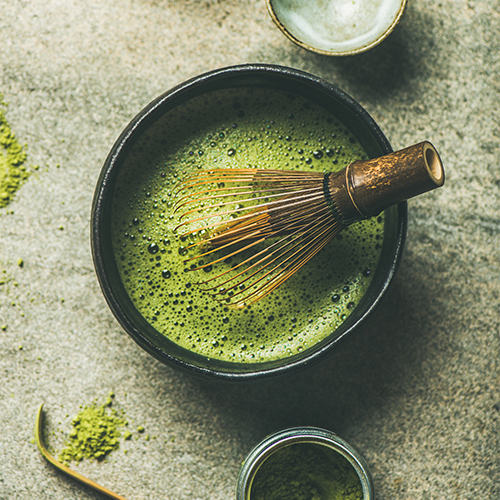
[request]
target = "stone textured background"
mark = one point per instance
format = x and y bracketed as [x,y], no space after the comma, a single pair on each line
[417,391]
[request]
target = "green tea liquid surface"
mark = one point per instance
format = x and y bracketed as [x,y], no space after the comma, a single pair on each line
[237,128]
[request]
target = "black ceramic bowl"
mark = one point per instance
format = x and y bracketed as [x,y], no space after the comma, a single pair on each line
[135,137]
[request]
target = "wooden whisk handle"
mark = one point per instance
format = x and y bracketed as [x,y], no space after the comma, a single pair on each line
[366,188]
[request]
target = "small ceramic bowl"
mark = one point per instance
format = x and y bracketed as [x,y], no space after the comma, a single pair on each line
[309,460]
[144,142]
[336,27]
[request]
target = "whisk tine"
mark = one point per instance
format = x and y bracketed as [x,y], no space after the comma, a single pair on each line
[276,201]
[279,205]
[286,266]
[274,251]
[270,250]
[301,196]
[199,196]
[288,206]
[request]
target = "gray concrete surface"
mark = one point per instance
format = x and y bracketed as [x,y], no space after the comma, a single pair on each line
[417,392]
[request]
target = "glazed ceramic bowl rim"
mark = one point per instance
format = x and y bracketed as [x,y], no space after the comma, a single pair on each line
[287,437]
[287,31]
[104,190]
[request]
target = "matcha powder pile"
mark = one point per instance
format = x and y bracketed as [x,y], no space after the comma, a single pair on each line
[13,171]
[96,432]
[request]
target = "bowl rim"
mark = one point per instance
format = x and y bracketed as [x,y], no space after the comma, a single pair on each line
[324,52]
[104,189]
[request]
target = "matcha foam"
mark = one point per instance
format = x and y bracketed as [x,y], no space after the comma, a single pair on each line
[236,128]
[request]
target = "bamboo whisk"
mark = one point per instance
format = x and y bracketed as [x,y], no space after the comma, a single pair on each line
[272,222]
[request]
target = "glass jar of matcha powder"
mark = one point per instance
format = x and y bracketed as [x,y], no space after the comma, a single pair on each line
[304,463]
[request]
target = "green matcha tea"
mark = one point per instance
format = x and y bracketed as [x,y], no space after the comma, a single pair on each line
[236,128]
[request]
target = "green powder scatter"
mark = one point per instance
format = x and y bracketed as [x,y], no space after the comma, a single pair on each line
[306,472]
[96,432]
[13,171]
